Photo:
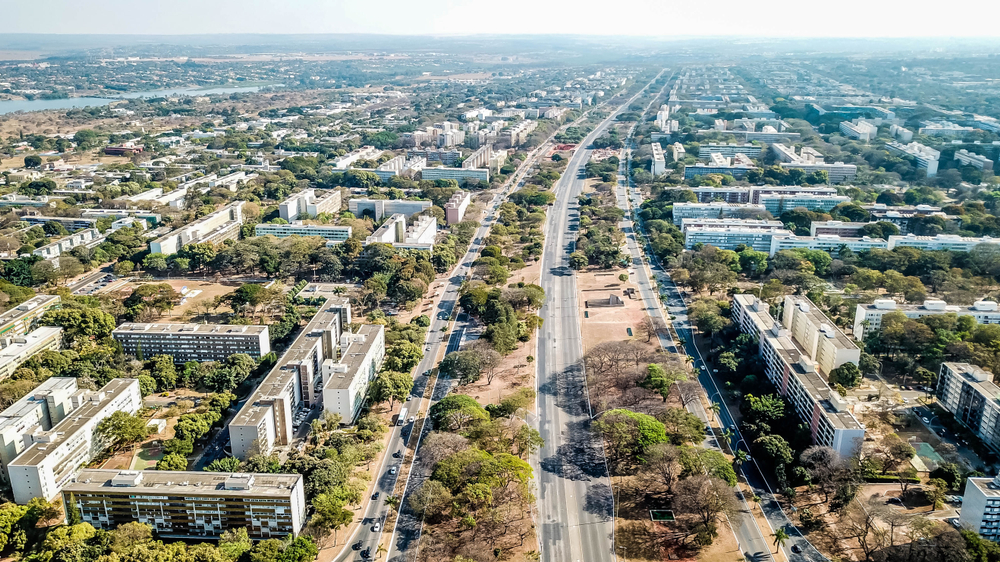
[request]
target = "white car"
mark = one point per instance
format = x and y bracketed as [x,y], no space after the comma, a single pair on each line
[376,527]
[392,470]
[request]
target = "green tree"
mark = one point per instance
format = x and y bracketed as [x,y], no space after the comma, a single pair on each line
[457,412]
[463,365]
[81,322]
[661,380]
[390,386]
[330,514]
[780,538]
[172,462]
[225,464]
[627,435]
[936,490]
[122,429]
[848,375]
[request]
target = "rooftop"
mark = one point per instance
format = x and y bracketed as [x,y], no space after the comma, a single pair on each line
[977,378]
[355,355]
[220,329]
[27,307]
[236,485]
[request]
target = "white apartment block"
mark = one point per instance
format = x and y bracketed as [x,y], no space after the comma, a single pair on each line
[677,149]
[798,355]
[193,342]
[968,392]
[22,348]
[201,504]
[730,150]
[519,132]
[152,218]
[723,194]
[19,320]
[266,420]
[454,209]
[346,380]
[52,458]
[809,160]
[306,204]
[901,133]
[328,232]
[38,411]
[729,237]
[63,245]
[364,153]
[446,157]
[420,235]
[943,129]
[859,129]
[981,507]
[925,156]
[777,203]
[831,243]
[221,225]
[683,211]
[461,175]
[399,166]
[952,242]
[836,228]
[480,158]
[659,164]
[972,159]
[868,317]
[737,166]
[378,208]
[789,191]
[754,224]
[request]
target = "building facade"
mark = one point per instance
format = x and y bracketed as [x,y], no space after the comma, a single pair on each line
[22,318]
[306,204]
[868,317]
[981,507]
[189,504]
[968,392]
[729,237]
[217,227]
[715,211]
[346,380]
[378,208]
[330,233]
[193,342]
[454,209]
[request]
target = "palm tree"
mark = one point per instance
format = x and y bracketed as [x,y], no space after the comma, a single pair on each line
[780,537]
[380,550]
[740,458]
[715,407]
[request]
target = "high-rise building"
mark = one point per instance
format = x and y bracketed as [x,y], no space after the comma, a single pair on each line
[20,319]
[981,507]
[968,393]
[925,156]
[346,380]
[659,164]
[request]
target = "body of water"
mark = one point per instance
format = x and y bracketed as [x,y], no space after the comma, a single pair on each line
[10,106]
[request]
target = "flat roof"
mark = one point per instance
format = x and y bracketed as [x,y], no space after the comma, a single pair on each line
[355,355]
[200,329]
[818,318]
[36,452]
[27,307]
[159,482]
[27,404]
[985,387]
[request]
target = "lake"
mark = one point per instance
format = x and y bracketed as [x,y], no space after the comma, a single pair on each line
[10,106]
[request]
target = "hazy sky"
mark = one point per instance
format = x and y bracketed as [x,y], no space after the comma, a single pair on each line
[658,18]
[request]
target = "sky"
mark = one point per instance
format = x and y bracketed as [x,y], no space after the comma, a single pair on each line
[653,18]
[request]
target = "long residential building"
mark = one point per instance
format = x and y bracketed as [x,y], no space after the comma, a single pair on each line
[859,129]
[152,218]
[364,153]
[972,159]
[266,419]
[22,348]
[777,203]
[659,164]
[64,245]
[730,150]
[683,211]
[38,411]
[193,342]
[69,223]
[729,237]
[981,507]
[737,166]
[454,209]
[54,457]
[305,204]
[968,393]
[420,235]
[830,243]
[753,224]
[925,156]
[461,175]
[346,380]
[809,160]
[188,504]
[217,227]
[952,242]
[868,317]
[328,232]
[378,208]
[836,228]
[22,318]
[798,354]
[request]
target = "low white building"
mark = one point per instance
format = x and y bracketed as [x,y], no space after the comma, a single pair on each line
[868,317]
[420,235]
[306,204]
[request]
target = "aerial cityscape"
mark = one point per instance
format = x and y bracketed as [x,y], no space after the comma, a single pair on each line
[350,291]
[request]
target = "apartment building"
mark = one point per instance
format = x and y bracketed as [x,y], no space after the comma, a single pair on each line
[346,380]
[15,200]
[925,157]
[981,507]
[777,203]
[420,235]
[944,129]
[798,354]
[378,208]
[723,194]
[193,342]
[461,175]
[952,242]
[64,245]
[754,224]
[859,129]
[901,133]
[266,418]
[306,205]
[770,135]
[737,166]
[22,318]
[152,218]
[38,411]
[71,224]
[22,348]
[446,157]
[715,210]
[968,393]
[830,243]
[659,164]
[868,317]
[52,458]
[364,153]
[809,160]
[972,159]
[189,504]
[454,209]
[729,237]
[730,150]
[519,132]
[678,152]
[217,227]
[836,228]
[331,233]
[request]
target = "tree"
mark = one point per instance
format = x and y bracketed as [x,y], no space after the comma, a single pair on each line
[463,365]
[682,426]
[225,464]
[81,322]
[647,327]
[432,499]
[330,514]
[457,412]
[780,538]
[627,435]
[124,268]
[662,462]
[172,462]
[32,161]
[707,498]
[661,380]
[578,260]
[823,465]
[773,449]
[847,375]
[390,386]
[122,429]
[936,490]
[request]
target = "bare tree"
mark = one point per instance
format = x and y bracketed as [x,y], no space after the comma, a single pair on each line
[690,391]
[860,522]
[662,462]
[439,444]
[647,327]
[823,463]
[706,497]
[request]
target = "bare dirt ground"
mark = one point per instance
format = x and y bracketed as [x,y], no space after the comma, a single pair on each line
[600,324]
[190,309]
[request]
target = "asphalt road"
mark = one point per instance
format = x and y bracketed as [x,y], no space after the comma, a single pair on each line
[575,521]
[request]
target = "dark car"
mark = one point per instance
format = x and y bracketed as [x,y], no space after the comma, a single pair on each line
[366,552]
[375,496]
[796,549]
[357,545]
